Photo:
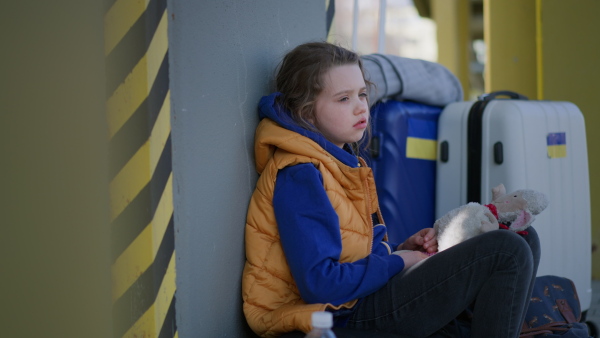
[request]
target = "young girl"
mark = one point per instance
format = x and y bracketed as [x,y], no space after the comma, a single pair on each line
[313,238]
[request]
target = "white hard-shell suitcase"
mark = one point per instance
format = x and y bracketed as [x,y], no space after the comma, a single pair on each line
[523,144]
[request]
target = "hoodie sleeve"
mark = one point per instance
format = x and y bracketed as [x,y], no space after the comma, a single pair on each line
[310,234]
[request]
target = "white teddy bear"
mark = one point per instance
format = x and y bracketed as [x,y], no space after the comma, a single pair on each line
[515,211]
[462,223]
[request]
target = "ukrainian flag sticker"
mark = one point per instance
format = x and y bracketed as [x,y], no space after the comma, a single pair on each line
[557,145]
[421,140]
[421,148]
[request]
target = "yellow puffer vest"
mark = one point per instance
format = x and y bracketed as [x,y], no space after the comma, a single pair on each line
[272,303]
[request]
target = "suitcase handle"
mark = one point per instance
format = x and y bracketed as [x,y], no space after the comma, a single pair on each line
[494,95]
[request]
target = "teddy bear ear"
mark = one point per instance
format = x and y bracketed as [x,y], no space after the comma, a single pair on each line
[498,191]
[523,220]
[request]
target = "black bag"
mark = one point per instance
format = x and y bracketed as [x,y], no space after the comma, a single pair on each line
[554,310]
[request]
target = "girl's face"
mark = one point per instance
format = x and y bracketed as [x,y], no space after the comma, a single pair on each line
[341,109]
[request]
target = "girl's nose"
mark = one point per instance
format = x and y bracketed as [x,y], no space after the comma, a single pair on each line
[361,108]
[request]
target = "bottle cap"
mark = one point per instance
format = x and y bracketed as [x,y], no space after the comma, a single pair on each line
[322,319]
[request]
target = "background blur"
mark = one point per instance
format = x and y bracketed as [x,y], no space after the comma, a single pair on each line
[127,138]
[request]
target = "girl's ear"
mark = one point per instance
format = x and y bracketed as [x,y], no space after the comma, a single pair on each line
[312,117]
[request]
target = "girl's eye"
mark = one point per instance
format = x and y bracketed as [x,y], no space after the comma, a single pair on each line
[345,98]
[364,95]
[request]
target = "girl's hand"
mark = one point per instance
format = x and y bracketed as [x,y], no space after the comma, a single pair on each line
[410,257]
[424,240]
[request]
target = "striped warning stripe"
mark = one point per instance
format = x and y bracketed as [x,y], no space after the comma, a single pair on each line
[138,114]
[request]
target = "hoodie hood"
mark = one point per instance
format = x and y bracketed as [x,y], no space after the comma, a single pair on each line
[269,108]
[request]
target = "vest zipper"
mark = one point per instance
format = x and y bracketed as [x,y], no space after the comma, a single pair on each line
[368,204]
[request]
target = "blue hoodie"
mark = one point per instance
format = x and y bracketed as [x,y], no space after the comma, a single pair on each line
[300,202]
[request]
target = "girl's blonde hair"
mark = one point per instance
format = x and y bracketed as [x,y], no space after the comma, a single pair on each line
[300,77]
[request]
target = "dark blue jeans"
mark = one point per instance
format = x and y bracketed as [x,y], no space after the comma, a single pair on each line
[491,274]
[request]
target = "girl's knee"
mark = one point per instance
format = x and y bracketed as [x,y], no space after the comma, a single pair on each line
[508,242]
[533,241]
[500,237]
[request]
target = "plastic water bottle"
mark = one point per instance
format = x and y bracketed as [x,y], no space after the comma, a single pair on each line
[322,322]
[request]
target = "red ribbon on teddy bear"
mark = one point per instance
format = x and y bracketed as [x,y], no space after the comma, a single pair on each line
[494,211]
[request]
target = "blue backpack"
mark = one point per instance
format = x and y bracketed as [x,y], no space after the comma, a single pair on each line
[554,310]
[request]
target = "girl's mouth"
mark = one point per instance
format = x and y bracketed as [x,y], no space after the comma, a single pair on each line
[361,124]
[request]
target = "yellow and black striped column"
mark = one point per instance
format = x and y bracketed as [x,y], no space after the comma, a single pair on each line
[138,113]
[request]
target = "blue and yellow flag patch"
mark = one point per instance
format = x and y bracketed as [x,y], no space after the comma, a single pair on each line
[421,141]
[557,145]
